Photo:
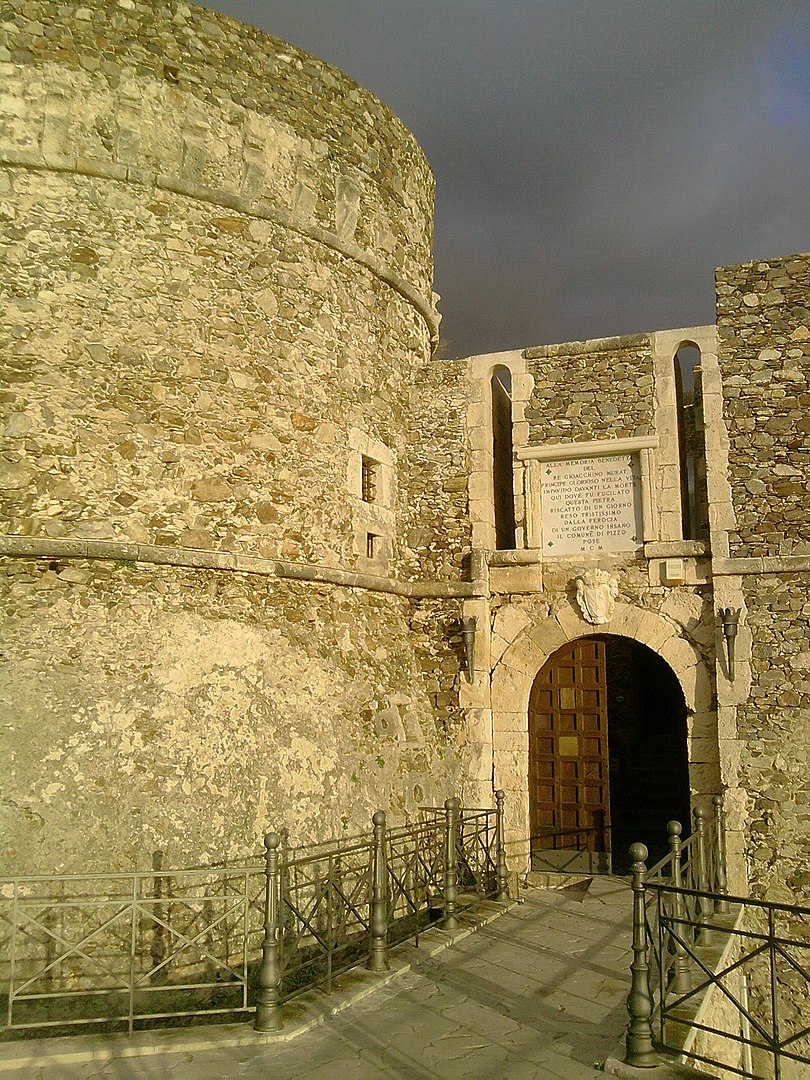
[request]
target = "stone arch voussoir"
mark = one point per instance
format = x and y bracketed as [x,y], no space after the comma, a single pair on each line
[533,644]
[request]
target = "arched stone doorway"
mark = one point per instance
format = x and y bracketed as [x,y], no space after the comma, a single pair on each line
[608,761]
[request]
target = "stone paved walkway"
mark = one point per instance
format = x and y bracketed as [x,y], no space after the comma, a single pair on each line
[539,992]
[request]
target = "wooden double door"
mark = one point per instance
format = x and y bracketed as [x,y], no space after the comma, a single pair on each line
[569,789]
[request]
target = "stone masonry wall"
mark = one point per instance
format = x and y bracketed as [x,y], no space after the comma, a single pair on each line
[138,89]
[216,269]
[155,708]
[180,376]
[774,725]
[764,332]
[763,318]
[217,257]
[586,390]
[434,474]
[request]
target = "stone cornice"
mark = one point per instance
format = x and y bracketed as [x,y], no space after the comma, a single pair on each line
[239,204]
[766,564]
[38,547]
[582,348]
[595,448]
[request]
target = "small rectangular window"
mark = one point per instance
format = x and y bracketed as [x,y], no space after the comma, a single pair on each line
[369,480]
[371,545]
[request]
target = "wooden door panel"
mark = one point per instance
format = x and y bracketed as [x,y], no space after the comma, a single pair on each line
[545,699]
[567,697]
[568,755]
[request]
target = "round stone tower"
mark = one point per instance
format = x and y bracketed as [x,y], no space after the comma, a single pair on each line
[219,267]
[218,280]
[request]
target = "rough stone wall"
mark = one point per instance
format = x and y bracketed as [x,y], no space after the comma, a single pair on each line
[180,376]
[157,708]
[144,88]
[215,271]
[763,318]
[438,648]
[774,725]
[763,315]
[435,475]
[585,390]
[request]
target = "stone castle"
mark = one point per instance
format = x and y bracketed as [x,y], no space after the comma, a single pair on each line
[267,561]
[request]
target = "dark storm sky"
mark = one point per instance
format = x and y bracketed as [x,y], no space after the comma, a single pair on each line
[594,159]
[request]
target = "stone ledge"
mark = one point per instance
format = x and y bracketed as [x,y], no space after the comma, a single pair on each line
[591,448]
[237,203]
[766,564]
[580,348]
[36,547]
[515,557]
[674,549]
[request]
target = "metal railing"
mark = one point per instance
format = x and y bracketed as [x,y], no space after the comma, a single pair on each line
[335,909]
[691,938]
[129,951]
[480,846]
[699,861]
[767,948]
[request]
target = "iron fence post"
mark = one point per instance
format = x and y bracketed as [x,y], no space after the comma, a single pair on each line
[378,914]
[639,1001]
[268,1002]
[330,931]
[776,1042]
[451,808]
[159,947]
[133,951]
[721,880]
[681,980]
[13,954]
[501,869]
[460,845]
[705,905]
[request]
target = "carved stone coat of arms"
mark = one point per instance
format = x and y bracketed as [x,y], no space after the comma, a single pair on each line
[596,595]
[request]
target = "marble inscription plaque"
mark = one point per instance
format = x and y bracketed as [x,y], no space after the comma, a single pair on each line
[590,504]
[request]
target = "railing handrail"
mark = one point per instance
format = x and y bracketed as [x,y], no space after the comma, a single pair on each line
[744,901]
[325,855]
[656,870]
[290,856]
[415,828]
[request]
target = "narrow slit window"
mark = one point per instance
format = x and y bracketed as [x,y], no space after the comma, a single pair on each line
[368,480]
[371,545]
[502,469]
[687,360]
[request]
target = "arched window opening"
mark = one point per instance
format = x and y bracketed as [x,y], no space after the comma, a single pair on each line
[687,400]
[502,471]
